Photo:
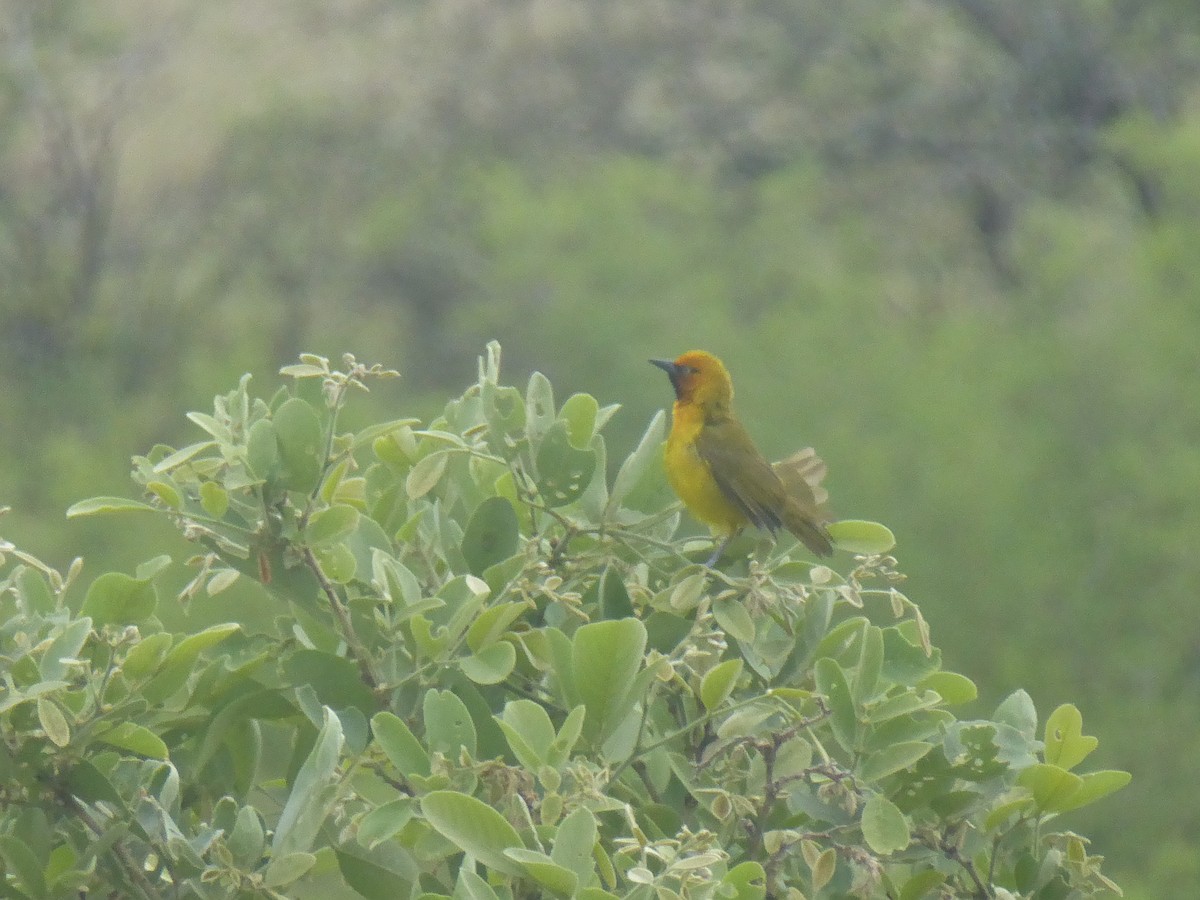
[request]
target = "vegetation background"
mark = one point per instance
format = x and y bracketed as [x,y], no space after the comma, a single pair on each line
[951,243]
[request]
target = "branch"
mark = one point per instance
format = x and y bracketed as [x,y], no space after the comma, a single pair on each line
[342,614]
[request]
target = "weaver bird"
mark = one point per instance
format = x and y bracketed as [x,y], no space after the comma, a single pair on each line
[720,475]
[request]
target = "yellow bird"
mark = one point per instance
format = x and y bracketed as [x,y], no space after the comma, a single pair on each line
[720,475]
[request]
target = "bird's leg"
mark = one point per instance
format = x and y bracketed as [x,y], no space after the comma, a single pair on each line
[720,548]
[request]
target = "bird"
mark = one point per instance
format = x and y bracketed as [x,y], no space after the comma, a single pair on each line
[720,475]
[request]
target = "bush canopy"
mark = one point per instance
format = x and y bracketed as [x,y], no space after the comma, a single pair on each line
[473,666]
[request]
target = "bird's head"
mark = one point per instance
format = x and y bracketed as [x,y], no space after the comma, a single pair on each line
[698,378]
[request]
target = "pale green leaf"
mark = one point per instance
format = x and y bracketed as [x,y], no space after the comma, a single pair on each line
[884,827]
[860,536]
[474,827]
[718,683]
[104,505]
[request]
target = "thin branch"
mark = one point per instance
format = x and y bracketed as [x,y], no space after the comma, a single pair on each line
[342,614]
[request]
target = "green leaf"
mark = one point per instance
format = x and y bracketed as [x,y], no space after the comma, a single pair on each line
[313,793]
[333,523]
[10,699]
[491,624]
[884,827]
[474,827]
[840,636]
[287,868]
[385,873]
[579,413]
[179,457]
[471,887]
[539,407]
[954,689]
[448,725]
[115,598]
[21,862]
[528,729]
[367,539]
[831,681]
[301,439]
[746,720]
[900,705]
[152,567]
[823,868]
[56,661]
[395,579]
[638,464]
[564,742]
[385,822]
[491,665]
[748,881]
[53,722]
[427,472]
[181,660]
[97,506]
[262,449]
[337,562]
[905,661]
[860,536]
[1000,814]
[718,683]
[892,759]
[33,586]
[574,843]
[373,433]
[1017,710]
[734,620]
[212,426]
[558,880]
[136,739]
[552,650]
[614,597]
[92,785]
[1052,787]
[1095,785]
[919,886]
[247,840]
[1066,744]
[400,745]
[336,680]
[916,726]
[870,663]
[303,370]
[492,535]
[214,499]
[489,741]
[606,657]
[563,472]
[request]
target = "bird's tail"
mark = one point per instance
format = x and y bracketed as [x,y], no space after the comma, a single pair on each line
[804,515]
[810,532]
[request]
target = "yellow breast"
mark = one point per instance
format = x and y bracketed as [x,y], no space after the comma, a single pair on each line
[691,477]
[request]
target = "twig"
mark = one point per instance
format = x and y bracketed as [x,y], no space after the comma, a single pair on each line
[953,854]
[342,614]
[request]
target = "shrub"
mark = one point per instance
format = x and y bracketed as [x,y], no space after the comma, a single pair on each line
[493,673]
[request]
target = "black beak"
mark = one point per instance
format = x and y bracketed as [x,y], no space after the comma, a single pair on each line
[674,372]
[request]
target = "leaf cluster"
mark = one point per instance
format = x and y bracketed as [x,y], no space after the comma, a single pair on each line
[494,673]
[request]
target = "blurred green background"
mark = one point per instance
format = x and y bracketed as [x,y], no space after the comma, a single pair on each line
[953,244]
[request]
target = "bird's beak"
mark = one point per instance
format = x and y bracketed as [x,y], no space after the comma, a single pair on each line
[667,366]
[674,372]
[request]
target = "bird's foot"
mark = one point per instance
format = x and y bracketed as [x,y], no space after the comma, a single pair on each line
[717,551]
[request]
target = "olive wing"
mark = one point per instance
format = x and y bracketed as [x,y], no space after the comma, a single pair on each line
[743,475]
